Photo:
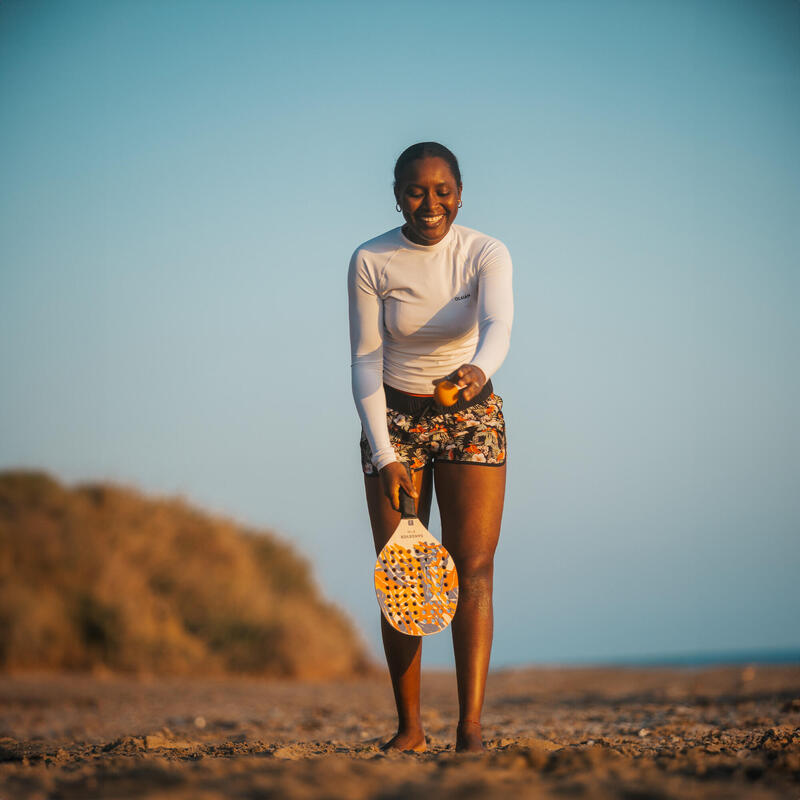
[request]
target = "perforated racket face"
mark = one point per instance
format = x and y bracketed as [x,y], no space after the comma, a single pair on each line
[416,581]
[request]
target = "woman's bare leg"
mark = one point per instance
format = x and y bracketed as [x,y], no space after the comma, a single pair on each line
[470,499]
[403,652]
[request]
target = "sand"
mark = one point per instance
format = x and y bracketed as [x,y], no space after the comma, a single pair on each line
[551,732]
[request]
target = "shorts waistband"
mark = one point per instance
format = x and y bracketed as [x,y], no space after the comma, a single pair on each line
[413,404]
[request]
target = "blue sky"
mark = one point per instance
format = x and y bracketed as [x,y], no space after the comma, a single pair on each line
[184,182]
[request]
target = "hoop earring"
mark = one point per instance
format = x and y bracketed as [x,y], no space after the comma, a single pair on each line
[397,206]
[460,203]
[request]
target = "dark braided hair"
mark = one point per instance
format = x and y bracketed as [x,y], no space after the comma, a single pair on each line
[426,150]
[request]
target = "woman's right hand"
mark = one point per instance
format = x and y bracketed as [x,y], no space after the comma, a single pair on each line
[393,476]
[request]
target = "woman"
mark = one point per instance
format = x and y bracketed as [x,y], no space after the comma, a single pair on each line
[432,300]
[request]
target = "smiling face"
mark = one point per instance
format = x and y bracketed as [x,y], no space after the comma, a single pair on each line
[428,196]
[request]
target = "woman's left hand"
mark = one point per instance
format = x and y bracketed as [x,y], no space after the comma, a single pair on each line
[467,375]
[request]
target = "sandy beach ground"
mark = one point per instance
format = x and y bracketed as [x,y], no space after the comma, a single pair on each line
[629,733]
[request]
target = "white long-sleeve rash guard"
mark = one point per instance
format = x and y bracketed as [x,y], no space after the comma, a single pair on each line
[418,312]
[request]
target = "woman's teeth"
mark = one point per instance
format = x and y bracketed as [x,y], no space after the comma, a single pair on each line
[432,220]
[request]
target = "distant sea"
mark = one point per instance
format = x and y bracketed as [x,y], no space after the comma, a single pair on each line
[701,659]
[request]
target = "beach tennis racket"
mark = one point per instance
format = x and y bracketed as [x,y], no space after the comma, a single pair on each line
[415,578]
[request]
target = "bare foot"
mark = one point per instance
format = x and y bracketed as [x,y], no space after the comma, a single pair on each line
[407,740]
[468,737]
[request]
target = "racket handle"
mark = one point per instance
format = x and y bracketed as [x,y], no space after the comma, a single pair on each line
[407,506]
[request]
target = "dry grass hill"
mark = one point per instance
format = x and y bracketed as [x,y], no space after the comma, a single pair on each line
[102,577]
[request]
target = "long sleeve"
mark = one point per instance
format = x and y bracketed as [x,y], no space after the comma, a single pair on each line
[495,308]
[366,363]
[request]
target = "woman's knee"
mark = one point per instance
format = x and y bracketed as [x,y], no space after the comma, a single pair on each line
[475,577]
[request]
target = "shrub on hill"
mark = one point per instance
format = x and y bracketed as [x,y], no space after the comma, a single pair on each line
[99,576]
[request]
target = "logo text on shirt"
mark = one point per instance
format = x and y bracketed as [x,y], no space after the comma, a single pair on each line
[462,296]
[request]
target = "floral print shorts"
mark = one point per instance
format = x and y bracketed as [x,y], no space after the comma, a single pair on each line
[475,435]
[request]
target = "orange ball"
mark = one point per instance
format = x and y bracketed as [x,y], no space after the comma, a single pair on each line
[446,393]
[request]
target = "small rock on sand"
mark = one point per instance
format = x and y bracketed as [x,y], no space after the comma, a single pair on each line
[159,741]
